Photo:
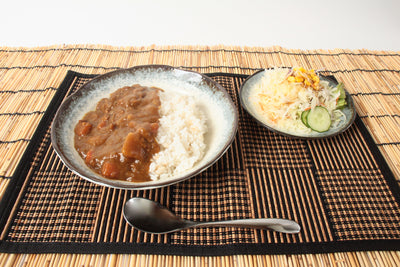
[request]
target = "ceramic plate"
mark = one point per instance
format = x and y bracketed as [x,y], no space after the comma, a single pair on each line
[221,113]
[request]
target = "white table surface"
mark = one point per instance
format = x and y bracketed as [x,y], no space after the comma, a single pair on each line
[310,24]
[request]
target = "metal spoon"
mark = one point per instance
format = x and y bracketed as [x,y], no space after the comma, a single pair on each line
[149,216]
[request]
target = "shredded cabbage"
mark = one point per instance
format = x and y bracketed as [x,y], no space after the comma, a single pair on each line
[284,94]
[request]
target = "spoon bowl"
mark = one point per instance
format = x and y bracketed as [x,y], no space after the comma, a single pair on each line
[149,216]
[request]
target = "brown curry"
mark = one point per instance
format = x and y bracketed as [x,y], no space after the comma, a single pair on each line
[118,138]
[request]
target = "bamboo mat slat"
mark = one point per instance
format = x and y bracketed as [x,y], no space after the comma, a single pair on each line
[30,76]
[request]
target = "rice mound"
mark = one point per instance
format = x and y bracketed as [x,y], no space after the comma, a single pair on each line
[180,136]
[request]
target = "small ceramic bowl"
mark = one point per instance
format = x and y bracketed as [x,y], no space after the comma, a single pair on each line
[254,80]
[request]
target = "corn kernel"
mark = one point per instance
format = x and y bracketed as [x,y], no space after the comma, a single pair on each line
[302,69]
[299,79]
[316,86]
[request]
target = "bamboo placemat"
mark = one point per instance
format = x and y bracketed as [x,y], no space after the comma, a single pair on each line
[340,190]
[29,78]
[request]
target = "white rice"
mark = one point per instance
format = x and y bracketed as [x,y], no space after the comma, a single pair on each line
[180,136]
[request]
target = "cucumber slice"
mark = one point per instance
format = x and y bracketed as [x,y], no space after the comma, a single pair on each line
[304,115]
[319,119]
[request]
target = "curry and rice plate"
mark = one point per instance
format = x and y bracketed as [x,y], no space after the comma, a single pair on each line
[142,133]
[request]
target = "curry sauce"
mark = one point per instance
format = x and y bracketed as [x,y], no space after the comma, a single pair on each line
[118,138]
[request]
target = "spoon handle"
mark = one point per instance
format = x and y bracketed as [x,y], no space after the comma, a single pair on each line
[279,225]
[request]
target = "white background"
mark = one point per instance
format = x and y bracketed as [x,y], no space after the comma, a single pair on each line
[309,24]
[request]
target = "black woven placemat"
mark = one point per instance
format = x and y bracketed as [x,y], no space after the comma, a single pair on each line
[340,190]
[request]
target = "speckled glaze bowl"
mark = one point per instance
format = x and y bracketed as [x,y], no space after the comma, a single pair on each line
[221,114]
[255,79]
